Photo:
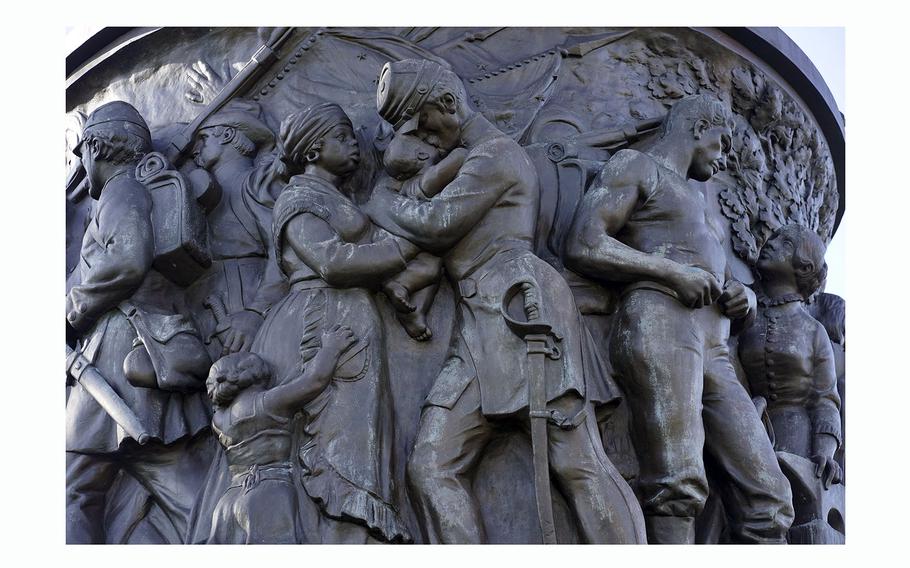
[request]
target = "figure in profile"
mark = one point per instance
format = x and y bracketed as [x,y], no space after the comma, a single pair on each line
[643,226]
[334,260]
[787,355]
[124,311]
[229,301]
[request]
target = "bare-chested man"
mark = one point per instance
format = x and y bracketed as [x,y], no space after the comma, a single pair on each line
[643,225]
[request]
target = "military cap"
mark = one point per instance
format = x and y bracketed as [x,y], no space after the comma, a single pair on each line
[117,117]
[404,87]
[242,115]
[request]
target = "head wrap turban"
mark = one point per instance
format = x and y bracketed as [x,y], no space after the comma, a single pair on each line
[301,130]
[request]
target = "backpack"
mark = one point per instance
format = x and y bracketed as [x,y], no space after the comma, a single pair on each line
[179,205]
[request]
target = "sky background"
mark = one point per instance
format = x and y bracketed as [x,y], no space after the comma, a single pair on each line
[825,47]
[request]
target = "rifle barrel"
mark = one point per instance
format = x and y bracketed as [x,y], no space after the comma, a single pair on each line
[261,60]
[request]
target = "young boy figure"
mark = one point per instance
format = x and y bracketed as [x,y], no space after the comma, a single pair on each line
[253,423]
[787,355]
[413,167]
[643,225]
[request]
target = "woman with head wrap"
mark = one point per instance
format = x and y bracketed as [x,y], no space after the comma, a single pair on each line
[333,258]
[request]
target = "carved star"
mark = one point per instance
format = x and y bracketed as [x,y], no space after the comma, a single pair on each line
[482,66]
[538,98]
[362,56]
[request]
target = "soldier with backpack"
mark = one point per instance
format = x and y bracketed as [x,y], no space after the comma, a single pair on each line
[131,331]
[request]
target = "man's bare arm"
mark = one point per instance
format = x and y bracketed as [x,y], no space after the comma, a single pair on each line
[592,250]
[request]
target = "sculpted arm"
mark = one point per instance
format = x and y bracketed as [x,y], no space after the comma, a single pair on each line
[435,178]
[243,324]
[126,255]
[437,224]
[288,398]
[824,410]
[341,263]
[591,248]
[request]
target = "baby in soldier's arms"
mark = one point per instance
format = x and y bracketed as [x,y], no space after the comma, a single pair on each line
[253,423]
[413,167]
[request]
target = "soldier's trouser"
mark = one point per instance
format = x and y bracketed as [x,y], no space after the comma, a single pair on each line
[684,398]
[169,473]
[450,443]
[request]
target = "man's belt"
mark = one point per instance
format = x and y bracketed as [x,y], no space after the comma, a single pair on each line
[650,285]
[467,285]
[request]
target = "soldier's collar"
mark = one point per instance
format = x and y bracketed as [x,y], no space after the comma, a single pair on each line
[477,129]
[124,171]
[780,300]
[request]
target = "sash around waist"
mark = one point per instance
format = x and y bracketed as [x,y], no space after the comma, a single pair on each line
[249,477]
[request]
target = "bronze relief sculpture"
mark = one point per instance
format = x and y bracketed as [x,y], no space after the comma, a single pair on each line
[443,288]
[669,343]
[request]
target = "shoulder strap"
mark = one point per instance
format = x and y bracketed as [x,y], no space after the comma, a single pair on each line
[292,202]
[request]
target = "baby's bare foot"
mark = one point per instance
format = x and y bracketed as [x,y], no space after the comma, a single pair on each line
[399,296]
[415,323]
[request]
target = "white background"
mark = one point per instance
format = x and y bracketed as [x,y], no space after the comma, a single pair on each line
[32,475]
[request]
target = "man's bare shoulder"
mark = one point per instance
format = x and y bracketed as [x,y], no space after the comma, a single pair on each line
[624,170]
[629,164]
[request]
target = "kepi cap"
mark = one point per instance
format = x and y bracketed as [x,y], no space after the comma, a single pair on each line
[113,117]
[404,87]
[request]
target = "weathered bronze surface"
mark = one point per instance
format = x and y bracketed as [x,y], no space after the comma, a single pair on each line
[449,285]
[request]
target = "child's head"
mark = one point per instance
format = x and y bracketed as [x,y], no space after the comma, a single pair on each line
[407,155]
[796,250]
[232,374]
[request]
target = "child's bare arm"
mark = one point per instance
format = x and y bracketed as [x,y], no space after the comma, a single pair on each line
[435,178]
[287,399]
